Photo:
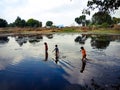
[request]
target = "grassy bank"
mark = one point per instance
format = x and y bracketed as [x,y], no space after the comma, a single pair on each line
[96,31]
[104,31]
[15,30]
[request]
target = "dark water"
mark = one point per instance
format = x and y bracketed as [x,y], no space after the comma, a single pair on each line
[22,64]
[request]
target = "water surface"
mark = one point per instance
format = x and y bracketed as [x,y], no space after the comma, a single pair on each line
[23,65]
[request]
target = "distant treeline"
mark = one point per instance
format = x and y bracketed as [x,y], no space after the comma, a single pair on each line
[22,23]
[99,19]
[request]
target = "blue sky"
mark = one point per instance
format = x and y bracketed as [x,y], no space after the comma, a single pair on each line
[61,12]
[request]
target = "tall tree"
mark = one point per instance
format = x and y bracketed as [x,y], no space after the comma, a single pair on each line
[101,17]
[3,23]
[17,21]
[23,23]
[77,20]
[81,20]
[34,23]
[20,22]
[88,22]
[49,23]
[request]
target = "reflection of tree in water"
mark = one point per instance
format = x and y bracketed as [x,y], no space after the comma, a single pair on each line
[49,36]
[35,39]
[116,38]
[4,40]
[32,39]
[81,39]
[21,40]
[100,41]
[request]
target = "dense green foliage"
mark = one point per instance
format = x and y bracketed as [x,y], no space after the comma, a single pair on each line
[3,23]
[49,23]
[82,20]
[34,23]
[104,5]
[11,25]
[88,22]
[101,17]
[20,22]
[116,20]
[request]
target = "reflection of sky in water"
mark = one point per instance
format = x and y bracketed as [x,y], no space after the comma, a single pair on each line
[102,66]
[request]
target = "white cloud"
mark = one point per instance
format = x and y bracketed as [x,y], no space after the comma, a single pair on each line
[116,13]
[58,11]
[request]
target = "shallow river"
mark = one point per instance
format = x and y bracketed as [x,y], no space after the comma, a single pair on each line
[23,65]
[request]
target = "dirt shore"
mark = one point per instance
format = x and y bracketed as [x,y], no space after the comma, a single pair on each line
[26,31]
[13,31]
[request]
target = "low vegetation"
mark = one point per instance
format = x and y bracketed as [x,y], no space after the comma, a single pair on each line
[41,30]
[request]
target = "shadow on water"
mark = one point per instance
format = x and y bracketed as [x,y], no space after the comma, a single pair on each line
[83,66]
[30,75]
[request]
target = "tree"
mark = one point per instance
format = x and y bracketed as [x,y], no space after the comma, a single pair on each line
[77,20]
[101,17]
[104,5]
[116,20]
[3,23]
[49,23]
[34,23]
[19,22]
[23,23]
[87,22]
[81,20]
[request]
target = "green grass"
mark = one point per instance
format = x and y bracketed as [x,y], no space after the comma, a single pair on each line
[62,30]
[67,30]
[104,31]
[99,31]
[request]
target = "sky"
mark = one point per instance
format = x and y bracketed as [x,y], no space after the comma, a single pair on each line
[60,12]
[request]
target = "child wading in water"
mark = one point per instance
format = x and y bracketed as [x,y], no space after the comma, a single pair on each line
[56,53]
[83,51]
[46,51]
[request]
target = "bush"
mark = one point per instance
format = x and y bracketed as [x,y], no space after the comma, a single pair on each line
[3,23]
[105,25]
